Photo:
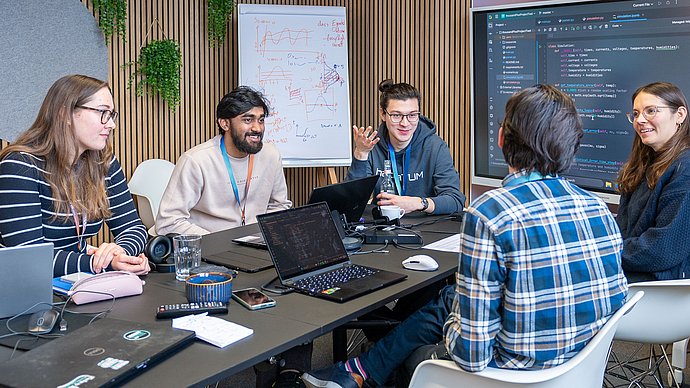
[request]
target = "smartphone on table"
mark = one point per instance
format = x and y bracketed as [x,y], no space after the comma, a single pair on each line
[253,299]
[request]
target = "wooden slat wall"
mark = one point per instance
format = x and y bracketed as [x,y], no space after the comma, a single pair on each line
[422,42]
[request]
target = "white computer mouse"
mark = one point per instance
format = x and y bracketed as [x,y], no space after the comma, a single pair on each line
[420,263]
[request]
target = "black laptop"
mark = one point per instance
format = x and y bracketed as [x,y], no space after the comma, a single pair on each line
[310,257]
[105,353]
[349,198]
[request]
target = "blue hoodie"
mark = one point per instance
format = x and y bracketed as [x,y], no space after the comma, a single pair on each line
[431,174]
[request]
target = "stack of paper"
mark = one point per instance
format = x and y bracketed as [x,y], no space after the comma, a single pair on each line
[448,244]
[213,330]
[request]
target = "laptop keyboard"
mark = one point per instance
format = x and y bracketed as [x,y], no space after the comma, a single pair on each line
[329,279]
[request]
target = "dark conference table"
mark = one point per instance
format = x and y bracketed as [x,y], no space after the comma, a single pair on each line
[295,319]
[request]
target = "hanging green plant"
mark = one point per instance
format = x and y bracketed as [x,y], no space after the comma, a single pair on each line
[112,17]
[158,67]
[219,12]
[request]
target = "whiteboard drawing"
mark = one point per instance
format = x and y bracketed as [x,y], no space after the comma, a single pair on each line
[297,57]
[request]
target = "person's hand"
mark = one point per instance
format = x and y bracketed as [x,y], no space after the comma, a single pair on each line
[103,255]
[138,265]
[409,204]
[365,140]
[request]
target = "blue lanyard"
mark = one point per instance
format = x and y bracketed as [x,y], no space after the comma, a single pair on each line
[394,164]
[228,166]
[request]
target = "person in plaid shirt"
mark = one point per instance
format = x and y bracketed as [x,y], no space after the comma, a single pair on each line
[540,262]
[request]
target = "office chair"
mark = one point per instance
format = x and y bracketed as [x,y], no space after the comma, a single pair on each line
[661,318]
[586,369]
[147,185]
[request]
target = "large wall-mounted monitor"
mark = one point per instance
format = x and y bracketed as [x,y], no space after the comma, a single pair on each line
[598,52]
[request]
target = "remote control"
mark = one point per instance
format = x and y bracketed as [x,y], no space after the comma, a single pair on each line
[180,309]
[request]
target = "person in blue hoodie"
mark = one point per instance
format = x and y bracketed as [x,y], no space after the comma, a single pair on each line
[423,170]
[425,177]
[654,211]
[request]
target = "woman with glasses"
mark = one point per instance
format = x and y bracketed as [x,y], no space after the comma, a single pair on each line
[423,170]
[59,182]
[654,212]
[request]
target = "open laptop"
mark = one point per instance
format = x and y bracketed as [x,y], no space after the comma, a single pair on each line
[306,249]
[348,198]
[105,353]
[27,279]
[256,240]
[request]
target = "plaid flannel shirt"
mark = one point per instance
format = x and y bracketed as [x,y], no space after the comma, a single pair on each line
[539,275]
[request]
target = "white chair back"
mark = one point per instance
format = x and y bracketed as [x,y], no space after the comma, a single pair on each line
[148,183]
[586,369]
[663,316]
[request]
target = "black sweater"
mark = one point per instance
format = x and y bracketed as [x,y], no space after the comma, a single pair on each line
[655,224]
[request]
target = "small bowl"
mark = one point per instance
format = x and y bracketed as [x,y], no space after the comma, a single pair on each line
[209,287]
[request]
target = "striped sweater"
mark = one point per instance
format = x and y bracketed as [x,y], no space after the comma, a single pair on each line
[27,214]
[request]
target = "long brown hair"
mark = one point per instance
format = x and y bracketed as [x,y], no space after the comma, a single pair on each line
[80,182]
[644,162]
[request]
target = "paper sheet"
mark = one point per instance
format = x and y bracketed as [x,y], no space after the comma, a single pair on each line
[448,244]
[213,330]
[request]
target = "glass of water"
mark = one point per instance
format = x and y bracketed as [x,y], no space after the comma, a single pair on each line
[187,252]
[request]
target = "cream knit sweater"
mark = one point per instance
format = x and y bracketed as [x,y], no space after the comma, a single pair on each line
[199,198]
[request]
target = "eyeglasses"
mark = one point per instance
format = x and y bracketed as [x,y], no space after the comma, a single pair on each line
[106,114]
[398,118]
[648,113]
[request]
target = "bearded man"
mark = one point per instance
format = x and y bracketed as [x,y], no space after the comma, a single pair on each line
[228,180]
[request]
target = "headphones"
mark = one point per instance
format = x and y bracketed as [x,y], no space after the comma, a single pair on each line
[159,250]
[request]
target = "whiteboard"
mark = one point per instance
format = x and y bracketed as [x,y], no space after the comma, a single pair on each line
[297,57]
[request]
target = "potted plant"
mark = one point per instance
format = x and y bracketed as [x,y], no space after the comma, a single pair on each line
[219,12]
[112,16]
[158,68]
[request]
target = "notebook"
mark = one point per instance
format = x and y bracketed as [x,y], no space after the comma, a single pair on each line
[252,240]
[27,279]
[305,247]
[348,198]
[243,259]
[105,353]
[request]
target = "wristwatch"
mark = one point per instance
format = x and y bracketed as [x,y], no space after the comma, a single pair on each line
[425,204]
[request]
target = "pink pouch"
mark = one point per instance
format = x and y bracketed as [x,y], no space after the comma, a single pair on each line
[105,285]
